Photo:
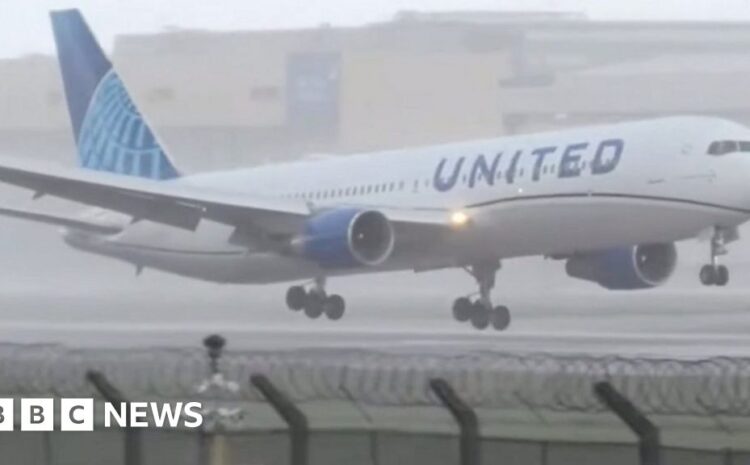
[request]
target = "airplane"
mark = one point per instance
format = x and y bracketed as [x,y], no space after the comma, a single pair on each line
[609,200]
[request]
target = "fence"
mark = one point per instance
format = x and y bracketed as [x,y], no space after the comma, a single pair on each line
[413,385]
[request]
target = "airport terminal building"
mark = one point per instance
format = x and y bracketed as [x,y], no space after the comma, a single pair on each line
[223,99]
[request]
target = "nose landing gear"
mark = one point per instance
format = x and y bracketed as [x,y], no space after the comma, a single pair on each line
[315,302]
[480,312]
[713,273]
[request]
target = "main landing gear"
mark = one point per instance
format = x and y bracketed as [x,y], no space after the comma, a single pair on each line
[480,312]
[315,302]
[713,273]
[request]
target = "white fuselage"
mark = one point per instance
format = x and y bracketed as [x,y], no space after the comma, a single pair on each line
[554,193]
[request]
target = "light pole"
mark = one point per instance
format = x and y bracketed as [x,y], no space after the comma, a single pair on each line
[218,414]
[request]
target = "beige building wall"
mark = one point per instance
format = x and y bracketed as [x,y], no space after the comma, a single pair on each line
[220,99]
[31,95]
[391,99]
[209,79]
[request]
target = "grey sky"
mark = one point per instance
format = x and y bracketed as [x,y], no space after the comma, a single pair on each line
[24,27]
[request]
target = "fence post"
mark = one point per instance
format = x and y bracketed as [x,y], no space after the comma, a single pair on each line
[291,414]
[133,438]
[466,418]
[648,434]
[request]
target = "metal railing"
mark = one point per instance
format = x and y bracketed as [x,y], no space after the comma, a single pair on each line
[713,386]
[630,388]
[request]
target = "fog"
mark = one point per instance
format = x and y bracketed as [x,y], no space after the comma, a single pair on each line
[412,73]
[25,28]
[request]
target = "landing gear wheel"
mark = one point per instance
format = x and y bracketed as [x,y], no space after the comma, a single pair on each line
[722,275]
[462,309]
[707,275]
[334,307]
[296,297]
[480,316]
[500,318]
[713,273]
[314,305]
[480,313]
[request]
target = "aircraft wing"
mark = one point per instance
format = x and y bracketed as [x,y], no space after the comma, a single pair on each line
[181,205]
[59,220]
[168,203]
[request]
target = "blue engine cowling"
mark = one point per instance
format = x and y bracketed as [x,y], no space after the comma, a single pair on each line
[347,237]
[626,268]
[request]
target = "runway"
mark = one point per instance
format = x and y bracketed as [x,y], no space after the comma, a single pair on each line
[676,324]
[398,331]
[51,294]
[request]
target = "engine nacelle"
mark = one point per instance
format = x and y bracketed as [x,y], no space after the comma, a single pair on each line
[626,268]
[347,237]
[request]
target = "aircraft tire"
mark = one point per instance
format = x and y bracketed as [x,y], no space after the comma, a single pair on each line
[500,318]
[708,275]
[462,308]
[335,306]
[314,306]
[480,317]
[296,298]
[722,275]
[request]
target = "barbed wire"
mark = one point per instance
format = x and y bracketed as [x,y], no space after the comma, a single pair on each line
[713,386]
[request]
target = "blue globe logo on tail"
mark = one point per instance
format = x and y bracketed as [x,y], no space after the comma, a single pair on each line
[114,136]
[110,131]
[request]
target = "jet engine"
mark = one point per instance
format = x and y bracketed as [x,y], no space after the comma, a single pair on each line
[345,238]
[625,268]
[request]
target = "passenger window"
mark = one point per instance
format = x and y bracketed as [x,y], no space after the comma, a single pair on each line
[744,146]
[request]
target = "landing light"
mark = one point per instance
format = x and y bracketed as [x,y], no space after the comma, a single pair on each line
[459,219]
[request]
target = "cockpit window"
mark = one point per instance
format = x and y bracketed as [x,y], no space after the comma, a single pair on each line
[723,147]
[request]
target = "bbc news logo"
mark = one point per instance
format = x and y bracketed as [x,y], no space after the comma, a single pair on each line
[79,414]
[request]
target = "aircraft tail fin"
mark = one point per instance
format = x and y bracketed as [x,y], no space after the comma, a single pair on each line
[110,132]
